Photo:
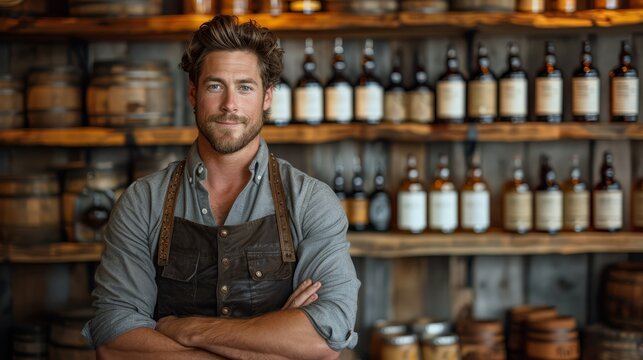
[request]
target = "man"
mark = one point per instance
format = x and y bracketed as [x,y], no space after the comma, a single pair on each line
[202,257]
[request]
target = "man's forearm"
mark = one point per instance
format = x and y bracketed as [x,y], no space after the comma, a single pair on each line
[286,334]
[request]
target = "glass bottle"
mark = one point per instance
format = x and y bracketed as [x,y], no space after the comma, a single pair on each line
[395,94]
[576,200]
[235,7]
[517,201]
[369,93]
[549,89]
[475,199]
[549,200]
[273,7]
[531,6]
[411,200]
[339,186]
[443,199]
[586,88]
[513,89]
[451,91]
[607,4]
[420,95]
[624,88]
[305,6]
[309,94]
[339,91]
[358,201]
[483,90]
[281,107]
[608,198]
[379,205]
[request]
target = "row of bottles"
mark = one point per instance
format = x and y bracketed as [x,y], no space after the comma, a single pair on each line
[442,207]
[483,98]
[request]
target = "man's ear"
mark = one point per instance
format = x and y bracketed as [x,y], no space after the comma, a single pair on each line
[267,98]
[192,93]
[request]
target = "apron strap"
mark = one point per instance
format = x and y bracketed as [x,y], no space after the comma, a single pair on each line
[281,211]
[167,222]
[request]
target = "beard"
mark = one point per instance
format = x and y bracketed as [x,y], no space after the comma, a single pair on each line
[223,140]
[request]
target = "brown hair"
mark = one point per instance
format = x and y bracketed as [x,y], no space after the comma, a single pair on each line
[224,33]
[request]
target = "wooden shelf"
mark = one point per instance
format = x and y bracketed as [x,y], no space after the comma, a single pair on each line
[180,27]
[62,252]
[395,245]
[308,134]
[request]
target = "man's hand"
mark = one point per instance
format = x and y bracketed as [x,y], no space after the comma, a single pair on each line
[306,293]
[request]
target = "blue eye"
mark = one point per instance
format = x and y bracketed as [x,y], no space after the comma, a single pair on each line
[214,87]
[245,88]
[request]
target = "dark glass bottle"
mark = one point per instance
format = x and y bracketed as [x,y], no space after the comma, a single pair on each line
[586,88]
[576,200]
[379,205]
[483,90]
[420,95]
[339,91]
[309,94]
[358,202]
[549,89]
[513,89]
[451,91]
[395,94]
[549,200]
[305,6]
[624,88]
[369,93]
[339,186]
[608,198]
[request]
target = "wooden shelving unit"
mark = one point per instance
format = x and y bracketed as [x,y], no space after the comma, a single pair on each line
[63,252]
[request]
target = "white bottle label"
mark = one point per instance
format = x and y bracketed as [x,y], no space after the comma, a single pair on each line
[518,211]
[549,210]
[608,209]
[483,98]
[339,103]
[395,106]
[443,210]
[309,104]
[638,209]
[586,96]
[549,96]
[451,98]
[475,210]
[513,97]
[576,210]
[369,103]
[281,108]
[411,215]
[625,96]
[420,106]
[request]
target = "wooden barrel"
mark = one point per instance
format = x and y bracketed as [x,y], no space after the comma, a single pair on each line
[54,98]
[29,209]
[23,7]
[30,341]
[381,330]
[483,5]
[518,317]
[604,343]
[66,342]
[555,339]
[150,159]
[424,6]
[481,340]
[363,6]
[115,8]
[123,94]
[623,304]
[89,196]
[11,103]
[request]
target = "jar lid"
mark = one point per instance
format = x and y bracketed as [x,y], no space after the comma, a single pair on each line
[442,340]
[434,328]
[400,339]
[385,327]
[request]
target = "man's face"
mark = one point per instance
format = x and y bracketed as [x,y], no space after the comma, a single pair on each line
[229,100]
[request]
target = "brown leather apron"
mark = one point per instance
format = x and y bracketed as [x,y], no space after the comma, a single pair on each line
[225,271]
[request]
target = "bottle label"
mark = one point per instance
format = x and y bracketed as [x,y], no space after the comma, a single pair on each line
[451,97]
[549,96]
[475,210]
[281,108]
[576,210]
[394,106]
[625,96]
[549,210]
[586,96]
[420,106]
[483,98]
[309,104]
[411,214]
[357,211]
[339,103]
[443,210]
[379,211]
[518,211]
[608,209]
[513,97]
[369,103]
[638,209]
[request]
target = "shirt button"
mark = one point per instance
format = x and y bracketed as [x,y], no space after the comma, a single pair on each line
[225,310]
[199,170]
[225,262]
[204,211]
[258,274]
[190,179]
[224,289]
[258,177]
[223,233]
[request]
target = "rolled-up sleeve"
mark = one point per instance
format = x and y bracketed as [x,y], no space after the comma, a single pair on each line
[323,256]
[125,293]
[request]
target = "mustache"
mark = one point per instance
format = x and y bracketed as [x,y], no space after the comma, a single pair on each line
[228,118]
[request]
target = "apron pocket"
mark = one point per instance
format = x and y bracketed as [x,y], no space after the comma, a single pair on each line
[182,265]
[267,266]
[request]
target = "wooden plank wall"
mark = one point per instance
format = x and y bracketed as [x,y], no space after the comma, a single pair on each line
[5,309]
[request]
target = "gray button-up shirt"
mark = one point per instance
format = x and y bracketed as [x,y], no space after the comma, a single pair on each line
[125,294]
